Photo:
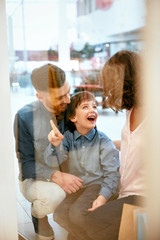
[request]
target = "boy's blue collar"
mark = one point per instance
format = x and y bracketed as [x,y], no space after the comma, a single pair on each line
[89,135]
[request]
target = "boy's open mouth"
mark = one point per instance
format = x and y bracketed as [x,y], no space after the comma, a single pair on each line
[91,118]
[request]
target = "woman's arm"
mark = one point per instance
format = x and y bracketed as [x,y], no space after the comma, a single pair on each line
[117,143]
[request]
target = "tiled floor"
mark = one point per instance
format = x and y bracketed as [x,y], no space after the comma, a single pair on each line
[108,122]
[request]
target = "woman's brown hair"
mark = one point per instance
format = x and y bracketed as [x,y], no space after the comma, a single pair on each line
[120,78]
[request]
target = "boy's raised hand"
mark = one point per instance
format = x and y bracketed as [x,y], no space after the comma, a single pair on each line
[55,137]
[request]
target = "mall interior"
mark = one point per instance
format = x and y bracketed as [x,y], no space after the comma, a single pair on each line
[79,36]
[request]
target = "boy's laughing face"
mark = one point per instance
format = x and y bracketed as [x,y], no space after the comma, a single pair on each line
[85,116]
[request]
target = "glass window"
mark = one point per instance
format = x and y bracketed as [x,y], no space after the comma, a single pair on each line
[77,35]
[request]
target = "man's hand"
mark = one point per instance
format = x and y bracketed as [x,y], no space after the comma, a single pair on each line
[55,137]
[100,201]
[68,182]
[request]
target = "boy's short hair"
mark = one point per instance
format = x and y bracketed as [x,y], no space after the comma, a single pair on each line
[47,77]
[75,101]
[120,78]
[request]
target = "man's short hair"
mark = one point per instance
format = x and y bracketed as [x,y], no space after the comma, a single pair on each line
[47,77]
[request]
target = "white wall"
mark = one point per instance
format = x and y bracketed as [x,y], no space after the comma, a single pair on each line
[8,217]
[123,16]
[152,101]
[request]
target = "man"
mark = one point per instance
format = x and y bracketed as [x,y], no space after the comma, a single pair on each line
[44,187]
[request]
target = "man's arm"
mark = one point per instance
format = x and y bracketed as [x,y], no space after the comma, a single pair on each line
[25,151]
[68,182]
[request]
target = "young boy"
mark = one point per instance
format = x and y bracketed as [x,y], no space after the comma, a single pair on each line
[90,155]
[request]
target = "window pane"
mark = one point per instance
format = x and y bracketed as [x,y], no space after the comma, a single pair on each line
[79,36]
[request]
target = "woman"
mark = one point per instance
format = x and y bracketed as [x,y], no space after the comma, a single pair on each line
[121,77]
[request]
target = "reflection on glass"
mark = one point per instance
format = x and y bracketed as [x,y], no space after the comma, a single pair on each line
[79,36]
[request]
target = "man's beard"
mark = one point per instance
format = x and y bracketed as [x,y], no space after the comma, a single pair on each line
[57,109]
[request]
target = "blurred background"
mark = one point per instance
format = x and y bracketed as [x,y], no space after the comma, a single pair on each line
[79,36]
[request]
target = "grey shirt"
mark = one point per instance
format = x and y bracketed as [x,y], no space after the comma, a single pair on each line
[92,157]
[31,128]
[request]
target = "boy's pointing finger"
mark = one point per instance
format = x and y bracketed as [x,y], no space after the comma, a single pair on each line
[55,130]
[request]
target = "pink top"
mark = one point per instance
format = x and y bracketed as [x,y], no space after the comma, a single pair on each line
[132,168]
